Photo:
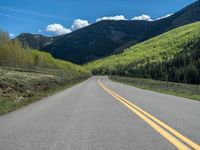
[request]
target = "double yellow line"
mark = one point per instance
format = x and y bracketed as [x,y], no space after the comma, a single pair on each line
[173,136]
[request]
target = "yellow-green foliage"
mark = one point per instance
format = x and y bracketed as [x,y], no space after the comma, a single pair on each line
[156,49]
[12,54]
[27,75]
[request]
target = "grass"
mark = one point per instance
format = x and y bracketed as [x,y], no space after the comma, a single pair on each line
[178,89]
[27,75]
[19,87]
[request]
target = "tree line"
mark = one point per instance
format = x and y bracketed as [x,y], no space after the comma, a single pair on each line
[13,54]
[184,67]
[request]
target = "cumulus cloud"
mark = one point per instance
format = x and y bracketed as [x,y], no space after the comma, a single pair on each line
[142,17]
[118,17]
[12,35]
[57,29]
[79,23]
[168,15]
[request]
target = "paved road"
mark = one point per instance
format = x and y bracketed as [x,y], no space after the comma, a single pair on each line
[87,117]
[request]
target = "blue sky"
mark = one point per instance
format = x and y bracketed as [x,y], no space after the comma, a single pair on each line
[54,17]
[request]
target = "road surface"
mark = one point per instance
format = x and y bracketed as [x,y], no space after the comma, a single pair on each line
[100,114]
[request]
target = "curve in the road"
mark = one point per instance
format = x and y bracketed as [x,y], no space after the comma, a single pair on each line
[176,138]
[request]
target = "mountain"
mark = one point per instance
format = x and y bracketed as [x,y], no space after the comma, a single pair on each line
[98,40]
[110,37]
[35,41]
[172,56]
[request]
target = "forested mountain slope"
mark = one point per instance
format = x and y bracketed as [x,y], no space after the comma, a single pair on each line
[173,56]
[35,41]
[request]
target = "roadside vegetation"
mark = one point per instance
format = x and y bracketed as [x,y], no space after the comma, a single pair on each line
[173,56]
[178,89]
[27,75]
[13,54]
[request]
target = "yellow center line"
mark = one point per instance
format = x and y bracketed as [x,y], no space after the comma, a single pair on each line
[155,123]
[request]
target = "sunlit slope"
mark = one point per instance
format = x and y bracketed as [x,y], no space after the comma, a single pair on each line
[157,52]
[27,75]
[13,54]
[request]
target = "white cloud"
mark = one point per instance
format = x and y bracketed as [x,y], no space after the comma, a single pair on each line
[57,29]
[142,17]
[168,15]
[39,30]
[79,23]
[118,17]
[12,35]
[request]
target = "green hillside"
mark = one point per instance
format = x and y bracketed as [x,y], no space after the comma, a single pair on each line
[27,75]
[13,54]
[173,56]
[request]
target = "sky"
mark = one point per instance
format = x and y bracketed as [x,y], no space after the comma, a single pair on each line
[57,17]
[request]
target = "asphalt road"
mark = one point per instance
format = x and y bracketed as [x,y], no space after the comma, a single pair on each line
[90,117]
